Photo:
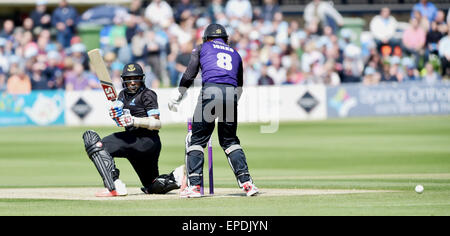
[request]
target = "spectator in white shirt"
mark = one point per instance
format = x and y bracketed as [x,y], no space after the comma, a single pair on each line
[275,70]
[158,11]
[238,9]
[383,28]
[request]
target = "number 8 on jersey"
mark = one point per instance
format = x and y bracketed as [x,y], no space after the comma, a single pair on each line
[224,61]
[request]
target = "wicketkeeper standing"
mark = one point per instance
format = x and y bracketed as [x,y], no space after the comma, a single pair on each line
[222,79]
[136,109]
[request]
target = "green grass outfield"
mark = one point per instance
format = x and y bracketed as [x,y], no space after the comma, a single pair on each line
[392,154]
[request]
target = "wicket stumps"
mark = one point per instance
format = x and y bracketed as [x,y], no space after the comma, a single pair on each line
[210,164]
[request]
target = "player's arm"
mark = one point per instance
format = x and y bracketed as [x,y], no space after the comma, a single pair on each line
[152,122]
[240,80]
[186,80]
[127,120]
[191,71]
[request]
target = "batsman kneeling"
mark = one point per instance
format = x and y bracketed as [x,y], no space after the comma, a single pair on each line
[136,109]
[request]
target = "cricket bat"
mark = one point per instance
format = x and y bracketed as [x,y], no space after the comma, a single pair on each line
[102,73]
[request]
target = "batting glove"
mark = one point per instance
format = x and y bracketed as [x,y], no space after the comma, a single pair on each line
[116,109]
[124,120]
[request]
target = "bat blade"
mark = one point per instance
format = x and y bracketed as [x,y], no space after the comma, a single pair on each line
[102,73]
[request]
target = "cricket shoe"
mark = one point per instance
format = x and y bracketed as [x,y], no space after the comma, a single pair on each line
[191,192]
[120,190]
[250,189]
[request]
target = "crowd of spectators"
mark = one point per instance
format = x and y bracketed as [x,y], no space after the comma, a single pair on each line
[46,51]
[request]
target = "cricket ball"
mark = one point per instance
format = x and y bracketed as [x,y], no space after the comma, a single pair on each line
[419,189]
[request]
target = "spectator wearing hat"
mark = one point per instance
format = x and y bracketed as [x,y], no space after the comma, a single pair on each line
[65,20]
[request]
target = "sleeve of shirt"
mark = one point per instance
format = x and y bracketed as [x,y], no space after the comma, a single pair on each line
[150,101]
[191,71]
[240,75]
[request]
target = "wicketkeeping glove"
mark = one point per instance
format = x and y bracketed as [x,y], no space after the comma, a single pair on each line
[175,100]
